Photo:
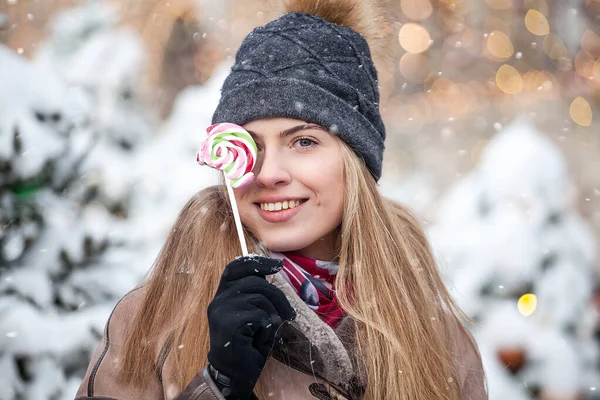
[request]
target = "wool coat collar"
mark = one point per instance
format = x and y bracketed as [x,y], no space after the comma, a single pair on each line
[313,347]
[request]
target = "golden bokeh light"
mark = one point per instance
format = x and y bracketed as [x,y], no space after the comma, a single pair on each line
[508,79]
[536,23]
[554,47]
[414,38]
[499,45]
[581,112]
[527,304]
[418,10]
[416,68]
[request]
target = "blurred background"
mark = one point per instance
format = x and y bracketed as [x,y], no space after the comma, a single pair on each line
[491,109]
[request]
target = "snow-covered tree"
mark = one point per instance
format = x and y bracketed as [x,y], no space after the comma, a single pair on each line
[89,188]
[70,125]
[509,229]
[88,49]
[50,232]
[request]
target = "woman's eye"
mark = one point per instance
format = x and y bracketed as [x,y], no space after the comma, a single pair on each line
[304,142]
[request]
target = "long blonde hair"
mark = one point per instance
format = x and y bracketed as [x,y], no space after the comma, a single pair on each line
[387,282]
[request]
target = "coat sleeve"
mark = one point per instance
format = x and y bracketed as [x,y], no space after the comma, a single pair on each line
[100,381]
[202,387]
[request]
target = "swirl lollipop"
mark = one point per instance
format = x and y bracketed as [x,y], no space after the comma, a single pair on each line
[230,148]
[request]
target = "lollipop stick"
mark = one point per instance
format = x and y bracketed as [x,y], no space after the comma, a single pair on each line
[236,217]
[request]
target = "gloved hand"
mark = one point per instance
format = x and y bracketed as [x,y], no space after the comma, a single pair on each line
[243,319]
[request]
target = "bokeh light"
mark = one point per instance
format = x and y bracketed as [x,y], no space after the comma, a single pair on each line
[537,23]
[416,68]
[527,304]
[499,45]
[414,38]
[581,112]
[508,79]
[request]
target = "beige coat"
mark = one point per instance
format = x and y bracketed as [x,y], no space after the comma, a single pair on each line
[314,363]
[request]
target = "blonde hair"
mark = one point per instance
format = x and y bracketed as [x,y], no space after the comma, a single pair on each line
[387,282]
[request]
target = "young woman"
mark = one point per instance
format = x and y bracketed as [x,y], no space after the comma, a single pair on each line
[345,300]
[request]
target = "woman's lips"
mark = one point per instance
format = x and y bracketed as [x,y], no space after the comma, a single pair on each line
[279,216]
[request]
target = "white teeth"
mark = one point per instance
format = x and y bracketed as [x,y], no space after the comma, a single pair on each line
[280,205]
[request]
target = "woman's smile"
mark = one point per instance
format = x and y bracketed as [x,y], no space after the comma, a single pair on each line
[279,205]
[280,211]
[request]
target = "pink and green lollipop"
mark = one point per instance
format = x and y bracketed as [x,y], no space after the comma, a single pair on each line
[230,148]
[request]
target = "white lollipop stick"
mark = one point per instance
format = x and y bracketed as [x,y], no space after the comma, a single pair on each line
[236,216]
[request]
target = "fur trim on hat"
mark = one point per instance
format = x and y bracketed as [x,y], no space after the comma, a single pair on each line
[370,18]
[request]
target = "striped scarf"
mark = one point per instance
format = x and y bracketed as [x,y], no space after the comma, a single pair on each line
[314,282]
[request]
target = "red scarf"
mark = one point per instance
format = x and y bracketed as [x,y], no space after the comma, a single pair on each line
[314,282]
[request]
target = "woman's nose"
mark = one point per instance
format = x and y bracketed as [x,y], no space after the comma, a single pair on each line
[271,170]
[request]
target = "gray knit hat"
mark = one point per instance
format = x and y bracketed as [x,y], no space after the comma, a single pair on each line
[304,67]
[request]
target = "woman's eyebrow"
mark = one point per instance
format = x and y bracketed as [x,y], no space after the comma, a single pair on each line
[291,130]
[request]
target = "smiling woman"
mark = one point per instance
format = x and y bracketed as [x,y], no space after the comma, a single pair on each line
[353,307]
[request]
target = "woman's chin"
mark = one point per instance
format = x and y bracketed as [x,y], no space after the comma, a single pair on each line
[282,246]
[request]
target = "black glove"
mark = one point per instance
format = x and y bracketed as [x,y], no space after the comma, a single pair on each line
[243,319]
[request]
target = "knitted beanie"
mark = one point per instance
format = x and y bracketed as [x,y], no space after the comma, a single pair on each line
[304,67]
